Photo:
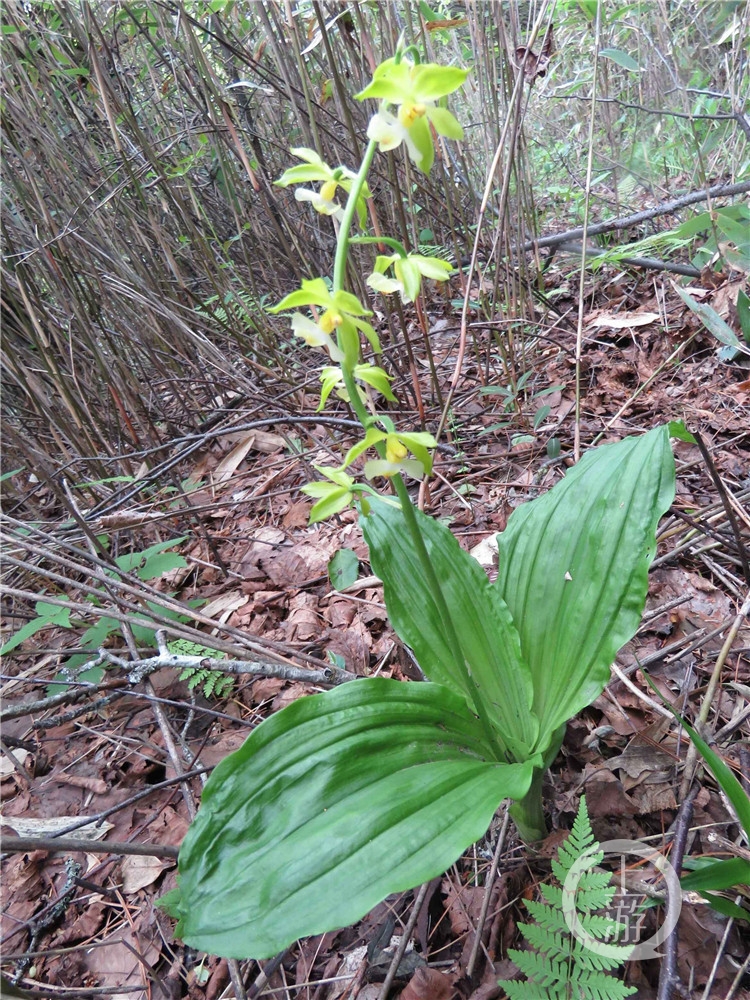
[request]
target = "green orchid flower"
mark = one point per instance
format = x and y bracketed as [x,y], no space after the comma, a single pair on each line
[332,497]
[333,378]
[342,313]
[322,200]
[314,336]
[413,88]
[397,446]
[408,271]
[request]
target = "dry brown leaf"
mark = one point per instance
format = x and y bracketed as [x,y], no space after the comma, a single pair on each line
[304,621]
[464,904]
[428,984]
[52,825]
[623,321]
[23,888]
[115,964]
[95,785]
[138,871]
[6,765]
[225,604]
[255,440]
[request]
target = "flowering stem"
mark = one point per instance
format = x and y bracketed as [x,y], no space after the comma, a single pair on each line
[342,247]
[339,272]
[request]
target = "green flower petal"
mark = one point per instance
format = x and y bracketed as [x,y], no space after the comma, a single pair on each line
[408,273]
[431,81]
[445,123]
[420,138]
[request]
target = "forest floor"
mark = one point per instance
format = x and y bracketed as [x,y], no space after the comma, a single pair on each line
[646,359]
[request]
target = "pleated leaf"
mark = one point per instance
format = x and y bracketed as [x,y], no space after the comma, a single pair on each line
[574,569]
[493,668]
[329,806]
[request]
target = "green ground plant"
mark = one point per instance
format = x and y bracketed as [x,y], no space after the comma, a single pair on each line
[373,787]
[146,564]
[212,683]
[558,965]
[710,875]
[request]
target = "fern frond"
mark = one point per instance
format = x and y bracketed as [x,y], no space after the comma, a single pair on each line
[560,966]
[542,972]
[555,946]
[212,682]
[552,916]
[592,890]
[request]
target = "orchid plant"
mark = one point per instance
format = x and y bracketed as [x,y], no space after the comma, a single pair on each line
[344,797]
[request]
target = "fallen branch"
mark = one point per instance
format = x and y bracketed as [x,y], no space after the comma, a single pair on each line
[717,191]
[68,845]
[140,669]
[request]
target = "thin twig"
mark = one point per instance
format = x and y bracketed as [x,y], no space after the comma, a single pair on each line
[668,977]
[500,846]
[100,816]
[731,517]
[405,937]
[13,845]
[143,668]
[692,754]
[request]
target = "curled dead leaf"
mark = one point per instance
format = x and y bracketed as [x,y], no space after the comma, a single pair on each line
[428,984]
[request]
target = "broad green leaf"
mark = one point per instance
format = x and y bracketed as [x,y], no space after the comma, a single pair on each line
[343,568]
[621,58]
[743,312]
[725,906]
[153,561]
[55,614]
[574,569]
[428,13]
[677,429]
[718,875]
[487,636]
[91,676]
[698,224]
[330,805]
[735,230]
[712,321]
[47,614]
[589,8]
[97,634]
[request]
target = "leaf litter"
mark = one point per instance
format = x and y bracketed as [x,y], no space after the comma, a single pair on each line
[265,573]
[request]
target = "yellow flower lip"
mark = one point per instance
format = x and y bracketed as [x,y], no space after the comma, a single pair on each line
[328,190]
[408,113]
[330,320]
[395,451]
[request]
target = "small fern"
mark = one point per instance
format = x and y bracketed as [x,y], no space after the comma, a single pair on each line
[560,966]
[237,306]
[211,682]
